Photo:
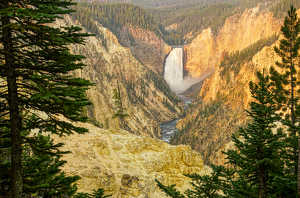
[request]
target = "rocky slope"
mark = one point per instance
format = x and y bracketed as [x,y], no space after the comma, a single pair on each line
[146,47]
[125,165]
[218,111]
[238,32]
[145,95]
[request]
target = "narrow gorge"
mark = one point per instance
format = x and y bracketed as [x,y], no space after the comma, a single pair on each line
[126,159]
[153,79]
[165,100]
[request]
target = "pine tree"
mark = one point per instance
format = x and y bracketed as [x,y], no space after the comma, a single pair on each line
[258,157]
[96,194]
[41,169]
[287,84]
[206,186]
[35,66]
[120,110]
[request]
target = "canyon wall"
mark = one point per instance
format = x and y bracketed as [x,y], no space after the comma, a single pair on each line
[238,32]
[219,110]
[126,165]
[146,47]
[201,55]
[126,162]
[143,91]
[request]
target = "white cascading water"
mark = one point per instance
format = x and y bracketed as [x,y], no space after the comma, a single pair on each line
[174,69]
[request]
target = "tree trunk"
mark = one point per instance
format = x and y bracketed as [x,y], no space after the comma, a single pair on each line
[298,176]
[15,119]
[262,184]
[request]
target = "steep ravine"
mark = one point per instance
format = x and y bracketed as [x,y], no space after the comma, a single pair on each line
[144,92]
[219,109]
[125,163]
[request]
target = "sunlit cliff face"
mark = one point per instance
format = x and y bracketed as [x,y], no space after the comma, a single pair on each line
[238,32]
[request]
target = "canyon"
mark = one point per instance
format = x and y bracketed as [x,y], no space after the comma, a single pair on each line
[125,159]
[111,66]
[126,156]
[219,109]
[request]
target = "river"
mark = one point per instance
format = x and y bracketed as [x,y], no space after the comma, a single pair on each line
[168,128]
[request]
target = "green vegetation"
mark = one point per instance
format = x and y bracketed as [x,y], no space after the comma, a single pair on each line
[194,19]
[205,112]
[119,106]
[234,61]
[190,16]
[205,186]
[96,194]
[120,110]
[42,175]
[165,3]
[287,84]
[196,16]
[161,85]
[251,4]
[36,86]
[116,16]
[280,8]
[259,160]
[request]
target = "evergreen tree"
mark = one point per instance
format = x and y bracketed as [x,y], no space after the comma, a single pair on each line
[287,84]
[258,157]
[206,186]
[41,170]
[34,65]
[120,110]
[96,194]
[42,173]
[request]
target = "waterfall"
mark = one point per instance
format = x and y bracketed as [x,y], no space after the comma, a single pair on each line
[174,69]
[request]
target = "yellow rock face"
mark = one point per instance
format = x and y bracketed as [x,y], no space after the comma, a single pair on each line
[201,55]
[238,32]
[111,65]
[241,31]
[213,133]
[126,165]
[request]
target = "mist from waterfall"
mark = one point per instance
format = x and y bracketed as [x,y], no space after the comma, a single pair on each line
[174,72]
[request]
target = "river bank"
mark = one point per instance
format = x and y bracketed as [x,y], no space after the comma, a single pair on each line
[169,128]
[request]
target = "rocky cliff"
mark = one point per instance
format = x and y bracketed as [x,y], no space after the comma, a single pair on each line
[146,47]
[239,32]
[145,96]
[201,55]
[125,165]
[219,110]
